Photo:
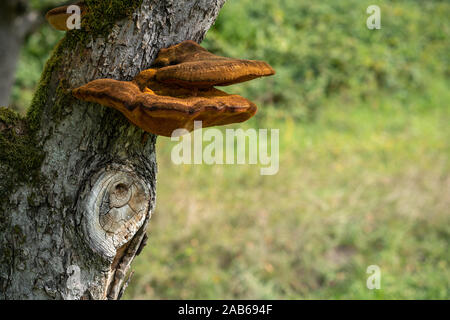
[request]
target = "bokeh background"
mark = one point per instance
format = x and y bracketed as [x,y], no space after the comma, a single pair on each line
[364,173]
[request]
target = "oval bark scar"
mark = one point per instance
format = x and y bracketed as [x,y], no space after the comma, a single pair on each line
[115,207]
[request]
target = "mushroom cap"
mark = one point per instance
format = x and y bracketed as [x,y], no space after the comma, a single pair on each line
[57,17]
[189,65]
[161,109]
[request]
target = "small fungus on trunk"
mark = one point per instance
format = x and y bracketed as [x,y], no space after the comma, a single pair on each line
[58,17]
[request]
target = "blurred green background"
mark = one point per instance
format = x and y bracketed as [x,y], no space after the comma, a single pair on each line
[364,160]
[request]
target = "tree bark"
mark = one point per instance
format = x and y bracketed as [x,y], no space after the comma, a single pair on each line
[71,229]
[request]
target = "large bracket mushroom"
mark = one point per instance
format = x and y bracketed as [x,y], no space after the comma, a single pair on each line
[178,89]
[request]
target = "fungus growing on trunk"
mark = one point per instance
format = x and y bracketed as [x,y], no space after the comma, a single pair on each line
[58,17]
[179,90]
[161,110]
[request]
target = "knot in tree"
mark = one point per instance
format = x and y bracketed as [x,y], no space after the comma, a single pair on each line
[179,89]
[78,181]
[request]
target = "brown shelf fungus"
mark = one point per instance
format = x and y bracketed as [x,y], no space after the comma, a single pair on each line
[58,17]
[179,90]
[189,65]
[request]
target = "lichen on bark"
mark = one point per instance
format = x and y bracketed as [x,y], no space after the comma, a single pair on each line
[68,142]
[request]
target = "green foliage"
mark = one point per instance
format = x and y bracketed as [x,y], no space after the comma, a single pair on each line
[324,48]
[43,4]
[102,14]
[20,156]
[363,185]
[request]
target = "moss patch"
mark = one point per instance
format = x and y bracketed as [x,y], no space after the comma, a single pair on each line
[20,157]
[40,97]
[102,15]
[98,21]
[100,18]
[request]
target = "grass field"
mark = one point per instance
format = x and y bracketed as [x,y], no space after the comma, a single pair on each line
[362,185]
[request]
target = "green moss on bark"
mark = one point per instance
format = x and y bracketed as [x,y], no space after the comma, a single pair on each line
[20,157]
[41,95]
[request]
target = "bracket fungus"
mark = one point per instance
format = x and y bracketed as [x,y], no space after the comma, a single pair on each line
[178,89]
[189,65]
[58,17]
[115,205]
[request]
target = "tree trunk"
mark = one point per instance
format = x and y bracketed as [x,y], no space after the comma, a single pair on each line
[15,22]
[77,181]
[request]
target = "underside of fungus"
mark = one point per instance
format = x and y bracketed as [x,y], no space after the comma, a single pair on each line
[179,89]
[58,17]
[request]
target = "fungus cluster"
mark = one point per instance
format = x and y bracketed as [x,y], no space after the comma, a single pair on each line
[177,90]
[58,17]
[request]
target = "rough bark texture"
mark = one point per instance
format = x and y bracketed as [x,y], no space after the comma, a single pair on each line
[71,229]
